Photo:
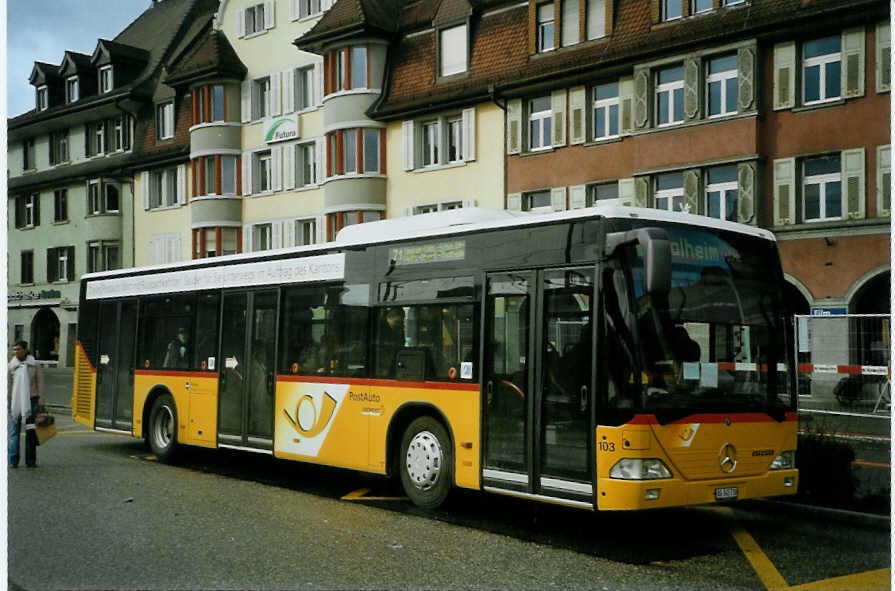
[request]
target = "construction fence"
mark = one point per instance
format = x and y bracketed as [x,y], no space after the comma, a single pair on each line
[844,364]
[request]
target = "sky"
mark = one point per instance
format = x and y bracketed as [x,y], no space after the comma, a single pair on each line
[42,30]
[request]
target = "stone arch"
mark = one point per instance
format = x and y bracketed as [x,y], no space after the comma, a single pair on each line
[871,294]
[797,297]
[44,343]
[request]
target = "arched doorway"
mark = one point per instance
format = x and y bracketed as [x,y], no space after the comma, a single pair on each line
[870,335]
[794,300]
[45,335]
[873,296]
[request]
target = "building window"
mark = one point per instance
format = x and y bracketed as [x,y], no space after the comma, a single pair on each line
[217,102]
[670,191]
[27,211]
[305,164]
[60,205]
[545,27]
[71,89]
[99,138]
[27,267]
[210,185]
[540,115]
[697,6]
[569,23]
[606,111]
[102,256]
[60,264]
[732,2]
[28,155]
[671,9]
[537,201]
[721,193]
[431,141]
[262,175]
[216,241]
[164,121]
[822,70]
[596,19]
[349,151]
[43,98]
[121,135]
[163,188]
[262,237]
[372,157]
[228,175]
[670,95]
[105,79]
[358,67]
[822,188]
[455,140]
[103,197]
[603,193]
[305,232]
[254,19]
[429,208]
[306,8]
[721,86]
[58,147]
[260,98]
[304,88]
[339,73]
[453,50]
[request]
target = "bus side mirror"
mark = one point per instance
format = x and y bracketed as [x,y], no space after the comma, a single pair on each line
[656,248]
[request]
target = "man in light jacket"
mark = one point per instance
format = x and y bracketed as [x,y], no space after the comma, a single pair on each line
[25,387]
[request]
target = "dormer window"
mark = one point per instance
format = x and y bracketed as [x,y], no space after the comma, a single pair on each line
[71,89]
[453,50]
[105,79]
[43,98]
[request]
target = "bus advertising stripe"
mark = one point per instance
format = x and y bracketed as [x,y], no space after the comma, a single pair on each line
[380,383]
[172,373]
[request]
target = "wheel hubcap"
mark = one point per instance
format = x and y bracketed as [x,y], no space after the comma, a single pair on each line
[423,460]
[164,426]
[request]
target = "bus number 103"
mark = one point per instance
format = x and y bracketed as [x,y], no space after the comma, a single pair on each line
[607,446]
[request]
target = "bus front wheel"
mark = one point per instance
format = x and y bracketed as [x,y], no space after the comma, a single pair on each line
[163,427]
[427,462]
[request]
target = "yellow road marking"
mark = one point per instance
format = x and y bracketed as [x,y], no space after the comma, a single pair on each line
[764,568]
[358,495]
[872,580]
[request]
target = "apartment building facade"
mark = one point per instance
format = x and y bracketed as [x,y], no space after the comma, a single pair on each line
[71,162]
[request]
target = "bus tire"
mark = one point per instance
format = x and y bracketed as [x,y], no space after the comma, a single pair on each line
[162,435]
[426,462]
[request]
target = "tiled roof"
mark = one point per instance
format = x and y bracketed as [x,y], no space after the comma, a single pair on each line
[211,54]
[363,16]
[121,51]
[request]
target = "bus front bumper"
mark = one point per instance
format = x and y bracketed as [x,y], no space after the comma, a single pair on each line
[621,495]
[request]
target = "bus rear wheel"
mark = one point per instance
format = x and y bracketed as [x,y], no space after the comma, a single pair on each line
[427,463]
[163,427]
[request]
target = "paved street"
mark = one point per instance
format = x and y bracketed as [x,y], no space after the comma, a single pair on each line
[113,517]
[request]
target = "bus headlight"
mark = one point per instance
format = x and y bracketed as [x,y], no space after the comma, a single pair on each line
[785,461]
[639,469]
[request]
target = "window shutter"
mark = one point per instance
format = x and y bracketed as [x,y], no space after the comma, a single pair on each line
[577,114]
[326,5]
[320,160]
[288,233]
[577,197]
[626,192]
[181,184]
[288,77]
[276,102]
[246,238]
[293,9]
[246,101]
[154,251]
[558,106]
[51,265]
[569,25]
[169,124]
[558,198]
[276,157]
[853,183]
[407,144]
[784,191]
[853,62]
[642,98]
[784,75]
[692,89]
[144,188]
[642,191]
[514,126]
[246,173]
[36,209]
[884,180]
[746,187]
[692,194]
[20,211]
[626,100]
[276,238]
[289,167]
[70,264]
[467,203]
[469,134]
[746,79]
[241,23]
[270,9]
[596,18]
[883,57]
[318,83]
[514,201]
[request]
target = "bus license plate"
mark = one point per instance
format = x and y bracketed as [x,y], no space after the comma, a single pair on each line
[730,492]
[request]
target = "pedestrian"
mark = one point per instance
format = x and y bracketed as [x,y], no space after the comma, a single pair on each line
[25,398]
[176,354]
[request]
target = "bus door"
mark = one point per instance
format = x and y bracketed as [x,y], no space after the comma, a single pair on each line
[246,386]
[537,383]
[115,364]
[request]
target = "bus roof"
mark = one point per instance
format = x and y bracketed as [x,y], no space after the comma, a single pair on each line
[441,223]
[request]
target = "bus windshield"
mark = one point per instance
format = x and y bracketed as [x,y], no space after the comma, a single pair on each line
[716,342]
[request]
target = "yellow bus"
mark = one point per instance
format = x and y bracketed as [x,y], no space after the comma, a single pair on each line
[611,358]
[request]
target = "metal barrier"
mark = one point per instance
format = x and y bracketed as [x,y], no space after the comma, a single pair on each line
[844,364]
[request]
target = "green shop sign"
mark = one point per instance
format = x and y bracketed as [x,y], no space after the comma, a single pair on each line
[281,129]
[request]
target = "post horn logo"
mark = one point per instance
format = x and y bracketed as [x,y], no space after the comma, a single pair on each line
[307,421]
[728,458]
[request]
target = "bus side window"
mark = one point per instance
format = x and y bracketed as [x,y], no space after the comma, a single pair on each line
[618,351]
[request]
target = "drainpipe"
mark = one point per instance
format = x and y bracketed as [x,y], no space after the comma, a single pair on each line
[133,113]
[492,92]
